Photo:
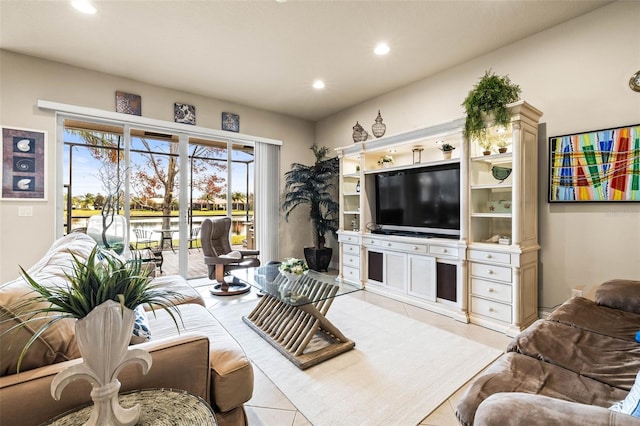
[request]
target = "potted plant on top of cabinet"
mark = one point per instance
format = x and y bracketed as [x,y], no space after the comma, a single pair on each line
[487,102]
[315,186]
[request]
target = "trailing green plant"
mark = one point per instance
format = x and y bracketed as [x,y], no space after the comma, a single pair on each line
[103,276]
[489,97]
[314,186]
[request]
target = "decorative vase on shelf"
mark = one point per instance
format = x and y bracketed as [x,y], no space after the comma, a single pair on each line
[103,338]
[502,150]
[378,128]
[359,133]
[446,155]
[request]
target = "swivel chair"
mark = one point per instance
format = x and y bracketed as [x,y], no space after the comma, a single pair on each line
[220,258]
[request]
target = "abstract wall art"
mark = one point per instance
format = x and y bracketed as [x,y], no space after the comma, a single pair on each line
[184,113]
[230,122]
[23,164]
[595,166]
[128,103]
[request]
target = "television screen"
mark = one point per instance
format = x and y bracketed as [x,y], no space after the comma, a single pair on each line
[424,199]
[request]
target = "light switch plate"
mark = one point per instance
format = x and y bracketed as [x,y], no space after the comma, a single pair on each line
[25,211]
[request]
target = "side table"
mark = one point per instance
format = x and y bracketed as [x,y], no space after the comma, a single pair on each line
[157,407]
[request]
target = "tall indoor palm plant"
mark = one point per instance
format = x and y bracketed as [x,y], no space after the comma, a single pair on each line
[315,186]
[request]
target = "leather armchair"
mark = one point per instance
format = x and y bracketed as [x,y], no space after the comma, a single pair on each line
[220,258]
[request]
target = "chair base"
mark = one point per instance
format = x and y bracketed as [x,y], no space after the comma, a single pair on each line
[231,288]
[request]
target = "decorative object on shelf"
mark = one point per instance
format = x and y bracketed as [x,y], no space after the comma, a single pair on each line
[357,168]
[102,292]
[314,186]
[417,154]
[230,122]
[359,133]
[128,103]
[354,224]
[378,127]
[183,113]
[634,82]
[598,165]
[372,226]
[489,98]
[446,149]
[486,144]
[504,240]
[385,161]
[23,175]
[358,186]
[500,173]
[293,268]
[499,206]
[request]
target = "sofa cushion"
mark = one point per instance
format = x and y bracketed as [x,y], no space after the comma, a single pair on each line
[604,358]
[514,372]
[231,371]
[57,343]
[620,294]
[631,404]
[587,315]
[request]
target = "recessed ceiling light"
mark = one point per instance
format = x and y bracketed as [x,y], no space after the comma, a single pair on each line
[318,84]
[83,6]
[381,49]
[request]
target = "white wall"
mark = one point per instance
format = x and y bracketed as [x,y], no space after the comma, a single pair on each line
[24,80]
[577,73]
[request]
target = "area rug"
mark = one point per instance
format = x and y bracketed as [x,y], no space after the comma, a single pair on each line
[399,372]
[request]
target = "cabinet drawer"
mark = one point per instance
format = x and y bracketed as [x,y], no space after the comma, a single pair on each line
[353,239]
[490,256]
[405,247]
[367,241]
[488,308]
[443,251]
[351,249]
[491,290]
[351,261]
[492,272]
[351,274]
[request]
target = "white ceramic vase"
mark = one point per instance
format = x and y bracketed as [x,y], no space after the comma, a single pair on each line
[103,338]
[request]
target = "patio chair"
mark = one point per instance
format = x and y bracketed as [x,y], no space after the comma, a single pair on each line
[220,258]
[193,238]
[143,237]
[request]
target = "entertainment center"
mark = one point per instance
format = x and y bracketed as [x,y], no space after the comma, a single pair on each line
[456,236]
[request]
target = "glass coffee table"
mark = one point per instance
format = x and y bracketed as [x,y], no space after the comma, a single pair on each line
[291,314]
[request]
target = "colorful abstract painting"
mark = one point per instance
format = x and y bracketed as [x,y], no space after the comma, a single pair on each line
[597,166]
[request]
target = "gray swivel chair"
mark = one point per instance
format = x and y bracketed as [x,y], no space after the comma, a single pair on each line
[220,258]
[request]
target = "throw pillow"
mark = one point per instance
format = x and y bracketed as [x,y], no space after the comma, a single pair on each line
[141,331]
[631,404]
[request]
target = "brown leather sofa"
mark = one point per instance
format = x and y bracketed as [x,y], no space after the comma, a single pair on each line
[201,358]
[567,369]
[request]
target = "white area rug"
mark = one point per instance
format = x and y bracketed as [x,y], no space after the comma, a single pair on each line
[399,372]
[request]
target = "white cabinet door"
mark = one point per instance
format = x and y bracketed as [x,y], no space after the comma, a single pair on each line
[422,277]
[395,269]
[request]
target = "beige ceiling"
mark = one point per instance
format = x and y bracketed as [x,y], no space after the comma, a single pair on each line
[266,54]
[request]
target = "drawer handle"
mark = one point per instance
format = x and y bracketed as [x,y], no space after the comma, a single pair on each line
[489,256]
[416,248]
[388,244]
[491,310]
[444,251]
[490,272]
[491,290]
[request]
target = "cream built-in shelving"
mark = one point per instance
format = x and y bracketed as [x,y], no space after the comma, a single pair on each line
[474,278]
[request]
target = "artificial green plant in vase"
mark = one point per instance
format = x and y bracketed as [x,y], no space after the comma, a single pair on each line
[101,293]
[487,103]
[315,186]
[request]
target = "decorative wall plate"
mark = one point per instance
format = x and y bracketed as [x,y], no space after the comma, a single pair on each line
[634,82]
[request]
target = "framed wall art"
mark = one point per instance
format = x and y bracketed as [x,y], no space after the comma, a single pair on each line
[595,166]
[23,164]
[128,103]
[184,113]
[230,122]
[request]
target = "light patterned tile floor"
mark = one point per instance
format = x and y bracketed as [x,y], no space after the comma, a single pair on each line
[270,407]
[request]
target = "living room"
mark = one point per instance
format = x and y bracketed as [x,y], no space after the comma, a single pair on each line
[577,73]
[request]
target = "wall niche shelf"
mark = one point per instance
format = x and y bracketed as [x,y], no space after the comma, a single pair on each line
[455,277]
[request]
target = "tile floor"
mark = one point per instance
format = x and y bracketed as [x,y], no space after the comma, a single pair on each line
[270,407]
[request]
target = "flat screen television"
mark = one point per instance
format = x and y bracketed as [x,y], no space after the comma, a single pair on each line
[423,200]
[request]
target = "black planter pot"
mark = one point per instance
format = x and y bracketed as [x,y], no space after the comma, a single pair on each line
[318,259]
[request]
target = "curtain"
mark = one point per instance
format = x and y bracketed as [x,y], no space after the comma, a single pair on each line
[267,200]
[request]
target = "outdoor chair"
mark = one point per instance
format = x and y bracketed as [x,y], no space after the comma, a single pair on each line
[220,258]
[193,238]
[143,237]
